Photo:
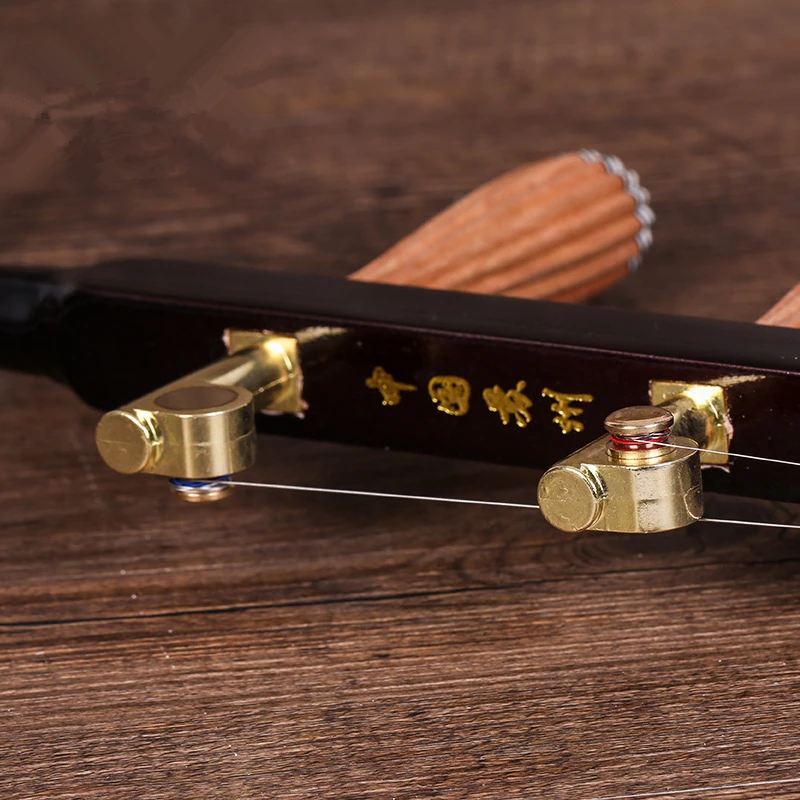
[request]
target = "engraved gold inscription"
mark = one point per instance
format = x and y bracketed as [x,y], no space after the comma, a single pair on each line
[565,413]
[450,393]
[511,403]
[388,387]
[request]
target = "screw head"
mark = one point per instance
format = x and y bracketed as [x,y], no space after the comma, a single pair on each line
[639,421]
[129,441]
[569,498]
[197,397]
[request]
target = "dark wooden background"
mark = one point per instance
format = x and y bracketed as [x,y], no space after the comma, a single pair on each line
[307,646]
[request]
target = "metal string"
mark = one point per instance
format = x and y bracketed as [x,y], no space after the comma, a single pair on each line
[389,495]
[462,500]
[528,506]
[732,455]
[752,522]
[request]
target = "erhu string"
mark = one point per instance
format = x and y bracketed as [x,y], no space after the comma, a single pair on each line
[385,495]
[752,522]
[733,455]
[459,500]
[501,504]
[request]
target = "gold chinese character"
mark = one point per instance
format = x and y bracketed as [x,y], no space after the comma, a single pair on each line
[507,403]
[564,411]
[450,393]
[388,387]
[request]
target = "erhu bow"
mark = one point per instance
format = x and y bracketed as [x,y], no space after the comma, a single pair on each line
[216,355]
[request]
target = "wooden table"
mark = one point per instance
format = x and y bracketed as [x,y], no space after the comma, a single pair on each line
[285,646]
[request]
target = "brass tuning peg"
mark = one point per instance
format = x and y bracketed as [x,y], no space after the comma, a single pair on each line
[644,475]
[202,427]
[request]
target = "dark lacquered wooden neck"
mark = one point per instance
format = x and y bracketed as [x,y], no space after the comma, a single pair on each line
[479,377]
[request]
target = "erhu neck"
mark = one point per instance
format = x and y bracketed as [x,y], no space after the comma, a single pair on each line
[31,301]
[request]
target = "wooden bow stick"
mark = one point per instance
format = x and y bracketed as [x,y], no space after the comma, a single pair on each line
[561,229]
[786,312]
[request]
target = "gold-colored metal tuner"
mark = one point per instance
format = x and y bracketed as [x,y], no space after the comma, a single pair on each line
[701,413]
[202,427]
[635,480]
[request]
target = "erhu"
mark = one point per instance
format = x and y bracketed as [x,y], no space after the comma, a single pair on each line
[450,343]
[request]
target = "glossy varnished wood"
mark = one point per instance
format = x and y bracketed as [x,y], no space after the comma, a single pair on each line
[286,645]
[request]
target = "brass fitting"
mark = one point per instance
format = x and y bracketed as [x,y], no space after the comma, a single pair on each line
[633,481]
[701,413]
[202,426]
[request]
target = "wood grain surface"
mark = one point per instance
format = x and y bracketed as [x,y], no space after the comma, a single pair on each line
[563,229]
[301,646]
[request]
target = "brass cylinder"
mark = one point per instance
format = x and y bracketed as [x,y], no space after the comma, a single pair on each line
[604,486]
[203,425]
